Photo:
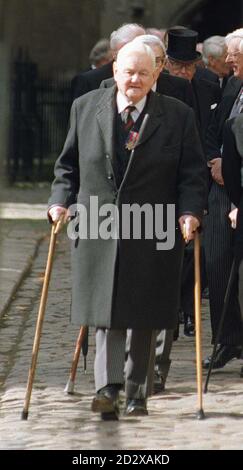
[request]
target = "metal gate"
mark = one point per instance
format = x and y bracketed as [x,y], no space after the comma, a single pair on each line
[39,116]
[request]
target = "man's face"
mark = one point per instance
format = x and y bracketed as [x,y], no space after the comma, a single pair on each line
[218,64]
[184,70]
[134,75]
[235,58]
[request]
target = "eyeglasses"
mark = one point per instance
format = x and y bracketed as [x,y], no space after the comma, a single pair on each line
[180,65]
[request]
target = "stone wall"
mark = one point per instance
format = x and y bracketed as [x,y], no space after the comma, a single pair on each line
[158,13]
[57,33]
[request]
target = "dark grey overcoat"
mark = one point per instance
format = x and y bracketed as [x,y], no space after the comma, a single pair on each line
[129,283]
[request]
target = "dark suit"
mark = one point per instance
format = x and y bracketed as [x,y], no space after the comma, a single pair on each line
[175,87]
[232,158]
[91,80]
[207,74]
[218,232]
[202,73]
[214,137]
[232,172]
[207,95]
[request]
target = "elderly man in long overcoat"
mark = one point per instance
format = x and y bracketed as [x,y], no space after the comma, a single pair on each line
[128,146]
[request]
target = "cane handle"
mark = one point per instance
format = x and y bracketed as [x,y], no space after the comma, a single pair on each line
[58,224]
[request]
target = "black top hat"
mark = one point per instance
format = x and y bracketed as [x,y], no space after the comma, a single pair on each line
[182,45]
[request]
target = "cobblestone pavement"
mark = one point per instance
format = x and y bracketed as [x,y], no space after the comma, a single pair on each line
[19,242]
[60,421]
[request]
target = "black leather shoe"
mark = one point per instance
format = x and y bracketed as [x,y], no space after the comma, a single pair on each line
[106,402]
[223,355]
[189,327]
[136,407]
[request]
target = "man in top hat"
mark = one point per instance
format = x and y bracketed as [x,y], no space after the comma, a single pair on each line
[182,58]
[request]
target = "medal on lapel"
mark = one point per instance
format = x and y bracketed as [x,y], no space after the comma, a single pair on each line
[131,140]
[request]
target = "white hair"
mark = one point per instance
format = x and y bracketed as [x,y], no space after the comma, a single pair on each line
[150,40]
[126,33]
[138,47]
[213,46]
[237,34]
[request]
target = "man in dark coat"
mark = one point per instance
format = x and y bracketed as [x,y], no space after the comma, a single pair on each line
[218,233]
[122,278]
[232,170]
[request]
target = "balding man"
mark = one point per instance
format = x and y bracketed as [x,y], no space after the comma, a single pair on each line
[137,156]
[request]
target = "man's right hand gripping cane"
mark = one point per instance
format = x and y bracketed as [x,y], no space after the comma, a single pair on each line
[58,215]
[188,225]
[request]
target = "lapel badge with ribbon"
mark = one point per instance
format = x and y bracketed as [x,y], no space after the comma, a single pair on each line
[131,140]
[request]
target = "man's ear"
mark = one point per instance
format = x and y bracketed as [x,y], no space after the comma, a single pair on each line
[114,69]
[211,60]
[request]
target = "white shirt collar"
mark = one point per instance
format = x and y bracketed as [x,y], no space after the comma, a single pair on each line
[122,103]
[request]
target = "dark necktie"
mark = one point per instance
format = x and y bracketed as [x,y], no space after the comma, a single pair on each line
[126,117]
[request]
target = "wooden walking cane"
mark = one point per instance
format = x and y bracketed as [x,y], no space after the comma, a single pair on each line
[56,227]
[81,338]
[197,298]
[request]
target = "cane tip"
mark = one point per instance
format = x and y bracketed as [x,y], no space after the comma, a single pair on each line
[24,415]
[69,389]
[200,414]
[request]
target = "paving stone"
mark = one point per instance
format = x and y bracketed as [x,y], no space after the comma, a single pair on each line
[60,421]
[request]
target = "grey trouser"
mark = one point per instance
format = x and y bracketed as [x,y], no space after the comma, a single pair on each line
[110,358]
[164,343]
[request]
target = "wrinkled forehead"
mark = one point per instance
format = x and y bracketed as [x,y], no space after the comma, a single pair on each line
[134,60]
